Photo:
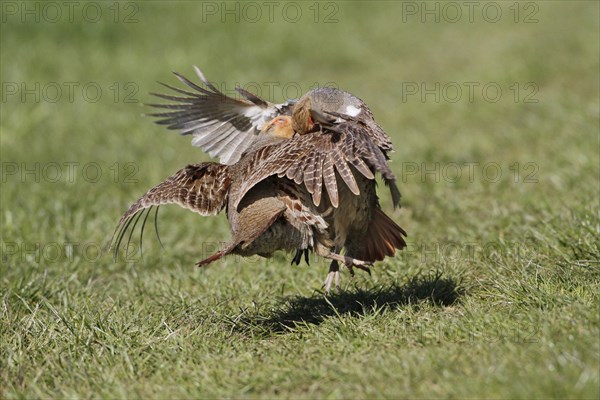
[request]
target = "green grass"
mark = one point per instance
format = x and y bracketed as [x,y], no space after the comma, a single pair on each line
[497,295]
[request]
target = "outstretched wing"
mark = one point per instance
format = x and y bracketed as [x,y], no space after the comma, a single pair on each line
[202,188]
[314,159]
[222,126]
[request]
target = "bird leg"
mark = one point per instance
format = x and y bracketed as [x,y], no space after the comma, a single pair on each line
[333,275]
[348,261]
[334,269]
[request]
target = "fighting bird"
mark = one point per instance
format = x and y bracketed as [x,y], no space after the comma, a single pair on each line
[275,161]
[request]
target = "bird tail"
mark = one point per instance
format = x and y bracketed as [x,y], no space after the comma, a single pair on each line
[382,238]
[221,253]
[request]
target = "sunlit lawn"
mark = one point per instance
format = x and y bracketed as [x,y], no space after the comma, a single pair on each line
[497,295]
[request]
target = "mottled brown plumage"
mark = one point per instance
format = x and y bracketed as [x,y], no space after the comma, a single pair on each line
[274,184]
[301,119]
[201,188]
[227,127]
[340,150]
[276,214]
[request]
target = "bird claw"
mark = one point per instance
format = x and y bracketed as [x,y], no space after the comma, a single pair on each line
[298,257]
[361,267]
[332,277]
[334,269]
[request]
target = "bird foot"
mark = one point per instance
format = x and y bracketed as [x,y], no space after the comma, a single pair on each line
[334,269]
[361,267]
[349,261]
[333,276]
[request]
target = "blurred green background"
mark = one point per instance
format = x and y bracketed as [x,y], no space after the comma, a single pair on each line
[76,151]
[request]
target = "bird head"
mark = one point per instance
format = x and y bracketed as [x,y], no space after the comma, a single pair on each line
[302,121]
[280,126]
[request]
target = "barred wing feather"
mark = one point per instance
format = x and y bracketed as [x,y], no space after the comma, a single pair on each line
[315,159]
[223,126]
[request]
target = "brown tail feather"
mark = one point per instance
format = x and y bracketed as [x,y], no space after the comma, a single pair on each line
[228,249]
[382,238]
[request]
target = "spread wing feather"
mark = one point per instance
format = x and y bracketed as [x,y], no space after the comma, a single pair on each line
[317,158]
[360,165]
[318,165]
[330,183]
[202,188]
[223,126]
[341,165]
[309,173]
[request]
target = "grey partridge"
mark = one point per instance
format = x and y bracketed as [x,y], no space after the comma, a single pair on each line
[326,136]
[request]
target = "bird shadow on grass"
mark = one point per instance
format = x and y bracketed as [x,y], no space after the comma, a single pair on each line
[298,310]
